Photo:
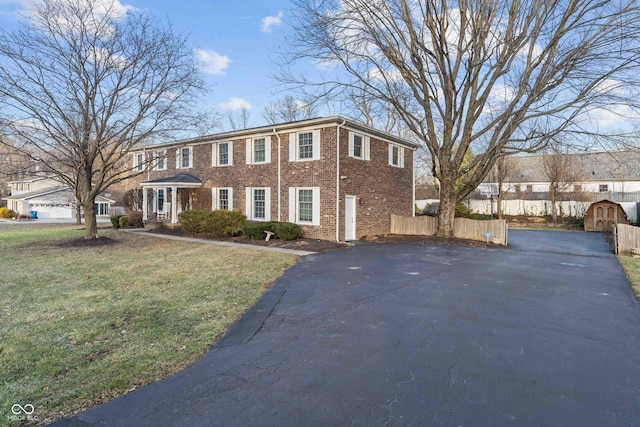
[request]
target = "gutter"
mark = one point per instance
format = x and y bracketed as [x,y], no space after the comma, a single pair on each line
[275,132]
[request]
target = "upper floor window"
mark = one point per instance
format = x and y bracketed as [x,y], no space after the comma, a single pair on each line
[138,161]
[184,158]
[259,150]
[304,146]
[577,187]
[603,188]
[396,155]
[160,160]
[21,187]
[359,146]
[222,154]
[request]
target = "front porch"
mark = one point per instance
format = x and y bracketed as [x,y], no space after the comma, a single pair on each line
[164,189]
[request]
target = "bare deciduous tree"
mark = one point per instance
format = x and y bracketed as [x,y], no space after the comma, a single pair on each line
[495,76]
[287,109]
[239,119]
[13,164]
[561,173]
[83,82]
[503,173]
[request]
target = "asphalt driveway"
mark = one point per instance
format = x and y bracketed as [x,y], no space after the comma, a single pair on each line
[543,333]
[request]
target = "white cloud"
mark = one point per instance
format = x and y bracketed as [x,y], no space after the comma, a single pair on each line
[271,21]
[614,116]
[235,104]
[212,62]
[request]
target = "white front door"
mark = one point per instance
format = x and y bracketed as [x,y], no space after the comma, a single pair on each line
[349,218]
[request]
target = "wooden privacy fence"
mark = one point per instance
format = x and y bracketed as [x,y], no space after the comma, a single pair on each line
[627,237]
[463,228]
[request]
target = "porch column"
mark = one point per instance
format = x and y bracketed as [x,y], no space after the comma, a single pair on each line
[144,204]
[174,205]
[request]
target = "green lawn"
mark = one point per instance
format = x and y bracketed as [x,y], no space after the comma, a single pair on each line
[632,268]
[81,325]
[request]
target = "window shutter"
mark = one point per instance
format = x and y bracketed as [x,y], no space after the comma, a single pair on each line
[401,155]
[249,154]
[214,198]
[292,147]
[351,144]
[391,154]
[230,198]
[292,204]
[316,144]
[178,158]
[316,206]
[230,153]
[267,204]
[249,203]
[367,148]
[267,149]
[135,160]
[214,154]
[190,157]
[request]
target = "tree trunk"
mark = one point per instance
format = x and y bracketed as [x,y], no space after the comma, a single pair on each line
[499,202]
[554,214]
[447,208]
[91,226]
[78,214]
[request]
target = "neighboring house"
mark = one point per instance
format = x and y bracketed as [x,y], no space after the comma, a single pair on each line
[338,179]
[581,179]
[48,199]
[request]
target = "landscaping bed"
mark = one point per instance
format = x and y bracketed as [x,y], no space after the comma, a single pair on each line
[302,244]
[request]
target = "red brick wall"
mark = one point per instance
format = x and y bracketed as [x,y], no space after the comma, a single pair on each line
[380,189]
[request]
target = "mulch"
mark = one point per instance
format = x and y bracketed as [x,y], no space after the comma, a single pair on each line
[452,241]
[315,245]
[311,245]
[86,243]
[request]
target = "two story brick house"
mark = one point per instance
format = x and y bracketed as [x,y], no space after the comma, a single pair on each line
[338,179]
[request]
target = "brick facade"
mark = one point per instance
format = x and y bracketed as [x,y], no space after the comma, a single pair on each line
[380,189]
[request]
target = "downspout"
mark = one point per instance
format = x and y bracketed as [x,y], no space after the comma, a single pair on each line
[413,156]
[279,177]
[338,180]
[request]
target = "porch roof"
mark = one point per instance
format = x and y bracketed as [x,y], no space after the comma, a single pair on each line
[182,180]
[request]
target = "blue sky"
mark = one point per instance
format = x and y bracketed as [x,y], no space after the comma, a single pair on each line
[237,42]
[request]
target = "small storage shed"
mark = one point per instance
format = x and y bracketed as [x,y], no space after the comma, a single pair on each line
[603,215]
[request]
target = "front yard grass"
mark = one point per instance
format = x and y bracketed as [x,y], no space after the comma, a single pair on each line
[82,325]
[631,267]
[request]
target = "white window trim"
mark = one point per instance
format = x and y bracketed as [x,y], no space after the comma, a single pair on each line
[366,146]
[138,165]
[155,207]
[294,150]
[294,206]
[400,156]
[250,152]
[267,203]
[179,158]
[215,195]
[157,155]
[215,162]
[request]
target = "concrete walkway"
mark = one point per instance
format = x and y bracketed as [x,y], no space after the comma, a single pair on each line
[418,334]
[222,243]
